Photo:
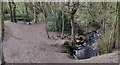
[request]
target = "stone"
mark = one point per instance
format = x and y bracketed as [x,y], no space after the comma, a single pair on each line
[81,53]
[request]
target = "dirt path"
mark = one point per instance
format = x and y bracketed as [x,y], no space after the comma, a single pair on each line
[32,46]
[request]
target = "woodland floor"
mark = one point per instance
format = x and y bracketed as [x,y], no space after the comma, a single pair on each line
[28,44]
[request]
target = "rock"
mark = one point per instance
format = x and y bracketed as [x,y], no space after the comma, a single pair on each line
[81,54]
[85,52]
[92,52]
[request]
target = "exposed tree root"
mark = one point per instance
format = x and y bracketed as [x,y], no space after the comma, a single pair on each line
[13,36]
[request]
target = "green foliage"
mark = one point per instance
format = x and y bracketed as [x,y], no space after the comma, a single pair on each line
[94,24]
[41,17]
[59,22]
[90,17]
[56,20]
[67,25]
[104,45]
[20,16]
[7,17]
[20,12]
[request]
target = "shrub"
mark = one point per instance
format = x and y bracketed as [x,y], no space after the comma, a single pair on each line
[20,16]
[104,46]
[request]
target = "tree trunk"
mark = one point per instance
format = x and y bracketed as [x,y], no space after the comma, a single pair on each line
[35,12]
[44,10]
[62,35]
[72,13]
[104,15]
[1,24]
[73,30]
[11,11]
[46,25]
[27,15]
[118,26]
[36,17]
[2,61]
[54,12]
[14,12]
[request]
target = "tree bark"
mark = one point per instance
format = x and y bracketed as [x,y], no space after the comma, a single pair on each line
[104,15]
[2,61]
[73,30]
[44,9]
[1,23]
[11,16]
[14,12]
[62,35]
[27,15]
[35,13]
[46,25]
[118,26]
[72,13]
